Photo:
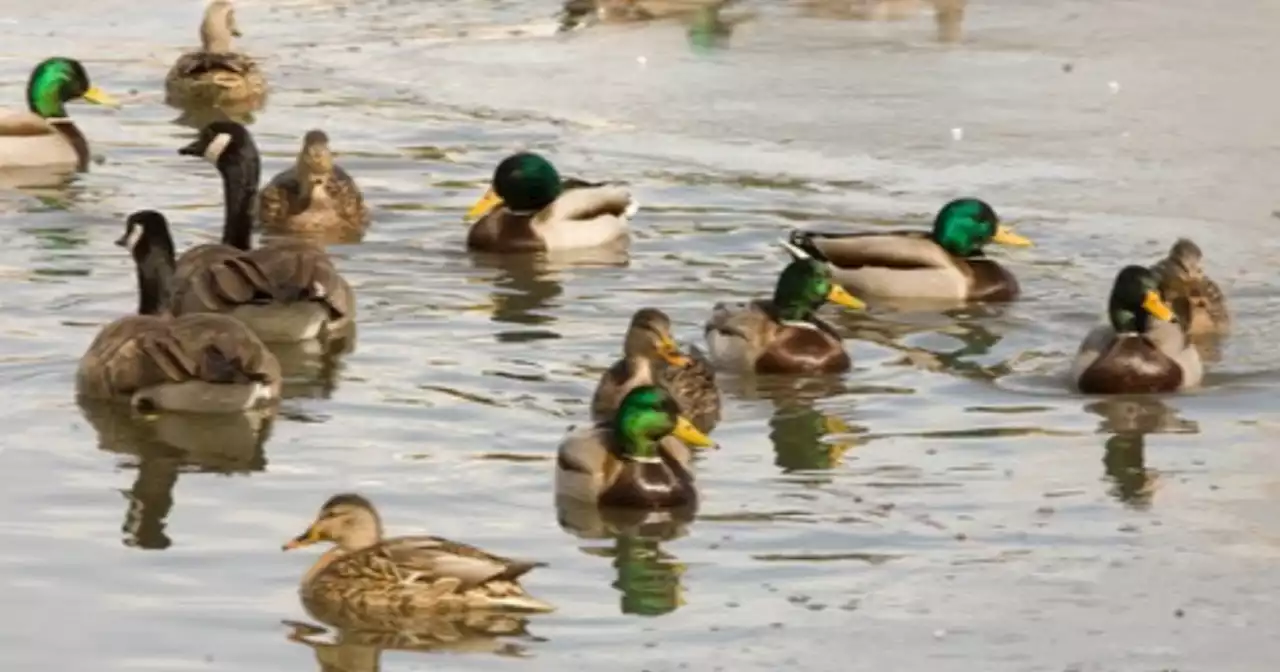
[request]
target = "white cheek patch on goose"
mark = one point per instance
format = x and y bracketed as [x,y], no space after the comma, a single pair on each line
[216,147]
[132,237]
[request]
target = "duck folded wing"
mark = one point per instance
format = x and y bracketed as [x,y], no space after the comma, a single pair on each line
[900,250]
[200,63]
[23,124]
[221,282]
[428,558]
[587,203]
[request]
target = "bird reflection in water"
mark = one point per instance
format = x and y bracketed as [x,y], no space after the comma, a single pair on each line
[526,285]
[199,117]
[163,447]
[806,439]
[649,578]
[966,324]
[1129,420]
[311,368]
[359,649]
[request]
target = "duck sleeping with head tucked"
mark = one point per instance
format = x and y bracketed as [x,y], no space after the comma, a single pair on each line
[45,136]
[1141,348]
[785,334]
[385,579]
[529,208]
[946,263]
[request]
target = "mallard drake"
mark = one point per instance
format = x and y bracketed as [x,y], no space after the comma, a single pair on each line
[946,264]
[650,356]
[1135,353]
[371,576]
[216,76]
[1196,299]
[785,334]
[314,196]
[286,291]
[529,208]
[45,136]
[195,363]
[638,459]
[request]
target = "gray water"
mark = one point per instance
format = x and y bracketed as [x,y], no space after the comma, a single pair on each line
[947,505]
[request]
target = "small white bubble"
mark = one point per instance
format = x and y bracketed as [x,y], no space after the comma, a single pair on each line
[939,634]
[1114,86]
[642,60]
[957,133]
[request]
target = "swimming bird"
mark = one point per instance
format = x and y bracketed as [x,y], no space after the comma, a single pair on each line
[1196,299]
[45,136]
[529,208]
[204,363]
[216,75]
[315,196]
[947,263]
[369,575]
[287,290]
[1141,348]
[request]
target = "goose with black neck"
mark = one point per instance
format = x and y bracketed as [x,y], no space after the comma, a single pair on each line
[286,291]
[198,363]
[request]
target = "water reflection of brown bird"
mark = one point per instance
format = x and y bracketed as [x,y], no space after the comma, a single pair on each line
[526,284]
[311,368]
[648,577]
[967,325]
[357,649]
[947,14]
[165,446]
[1129,421]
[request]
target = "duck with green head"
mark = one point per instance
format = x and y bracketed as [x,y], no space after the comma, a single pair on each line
[1142,348]
[45,136]
[530,208]
[785,334]
[638,459]
[947,263]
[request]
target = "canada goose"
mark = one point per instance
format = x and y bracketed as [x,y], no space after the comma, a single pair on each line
[314,196]
[529,208]
[1141,349]
[216,76]
[196,363]
[369,574]
[45,136]
[287,290]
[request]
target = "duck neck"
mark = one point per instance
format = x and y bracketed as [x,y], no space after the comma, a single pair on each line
[239,186]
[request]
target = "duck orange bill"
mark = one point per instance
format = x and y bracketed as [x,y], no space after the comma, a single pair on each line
[99,97]
[489,201]
[686,432]
[669,351]
[305,539]
[839,296]
[1155,305]
[1004,236]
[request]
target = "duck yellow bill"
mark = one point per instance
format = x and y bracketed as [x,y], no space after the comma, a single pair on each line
[669,351]
[839,296]
[305,539]
[99,97]
[685,431]
[1006,237]
[489,201]
[1155,305]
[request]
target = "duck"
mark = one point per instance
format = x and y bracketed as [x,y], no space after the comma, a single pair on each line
[216,75]
[1142,348]
[45,136]
[286,291]
[314,196]
[650,356]
[529,208]
[205,363]
[946,264]
[638,459]
[783,334]
[1196,299]
[373,577]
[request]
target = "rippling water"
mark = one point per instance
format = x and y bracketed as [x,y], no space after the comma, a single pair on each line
[948,505]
